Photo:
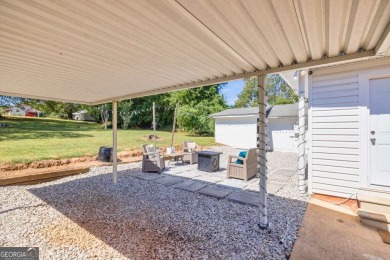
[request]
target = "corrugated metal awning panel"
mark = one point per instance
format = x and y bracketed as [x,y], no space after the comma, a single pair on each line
[90,51]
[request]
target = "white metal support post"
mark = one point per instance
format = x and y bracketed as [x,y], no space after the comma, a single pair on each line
[262,152]
[302,128]
[114,140]
[154,125]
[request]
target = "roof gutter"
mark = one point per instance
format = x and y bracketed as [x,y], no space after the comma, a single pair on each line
[232,116]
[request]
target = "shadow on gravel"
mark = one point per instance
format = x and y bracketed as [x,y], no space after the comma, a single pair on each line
[143,219]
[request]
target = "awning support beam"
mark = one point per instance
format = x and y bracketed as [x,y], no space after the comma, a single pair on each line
[308,64]
[384,43]
[262,152]
[114,140]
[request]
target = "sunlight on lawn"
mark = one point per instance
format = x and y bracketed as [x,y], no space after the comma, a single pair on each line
[31,139]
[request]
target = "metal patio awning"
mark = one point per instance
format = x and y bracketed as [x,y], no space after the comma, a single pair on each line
[95,51]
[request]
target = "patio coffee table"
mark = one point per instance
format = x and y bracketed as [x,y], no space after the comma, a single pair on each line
[175,157]
[208,161]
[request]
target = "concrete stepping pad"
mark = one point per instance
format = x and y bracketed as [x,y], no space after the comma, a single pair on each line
[191,186]
[216,192]
[135,173]
[168,180]
[245,197]
[149,176]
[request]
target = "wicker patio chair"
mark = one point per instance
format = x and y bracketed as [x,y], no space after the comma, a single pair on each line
[152,161]
[244,171]
[189,150]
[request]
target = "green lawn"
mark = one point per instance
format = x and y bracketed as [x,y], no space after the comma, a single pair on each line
[32,139]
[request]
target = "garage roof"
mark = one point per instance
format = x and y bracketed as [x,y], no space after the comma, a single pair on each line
[237,112]
[286,110]
[95,51]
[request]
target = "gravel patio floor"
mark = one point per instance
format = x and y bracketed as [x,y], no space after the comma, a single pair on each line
[86,216]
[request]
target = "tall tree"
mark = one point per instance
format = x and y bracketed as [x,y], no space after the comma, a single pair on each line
[277,90]
[195,107]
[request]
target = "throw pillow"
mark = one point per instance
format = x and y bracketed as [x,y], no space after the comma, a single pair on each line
[241,154]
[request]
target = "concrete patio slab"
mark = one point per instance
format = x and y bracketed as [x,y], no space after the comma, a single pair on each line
[220,175]
[254,187]
[329,232]
[270,168]
[176,169]
[207,179]
[189,174]
[149,176]
[274,187]
[191,185]
[216,192]
[281,175]
[245,197]
[169,180]
[233,183]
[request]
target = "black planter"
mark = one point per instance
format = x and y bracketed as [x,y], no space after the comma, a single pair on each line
[105,154]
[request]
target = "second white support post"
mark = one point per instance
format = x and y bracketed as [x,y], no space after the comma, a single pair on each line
[262,152]
[154,125]
[114,140]
[302,128]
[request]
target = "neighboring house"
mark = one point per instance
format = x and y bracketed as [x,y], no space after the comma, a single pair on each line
[32,112]
[14,111]
[238,127]
[82,116]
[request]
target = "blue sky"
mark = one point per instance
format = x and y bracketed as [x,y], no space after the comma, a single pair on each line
[231,90]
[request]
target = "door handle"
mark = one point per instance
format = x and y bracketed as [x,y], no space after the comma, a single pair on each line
[373,140]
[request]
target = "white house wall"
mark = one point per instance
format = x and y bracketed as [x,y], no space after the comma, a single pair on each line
[240,132]
[281,134]
[16,112]
[237,132]
[334,129]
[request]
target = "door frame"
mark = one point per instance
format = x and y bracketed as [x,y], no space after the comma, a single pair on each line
[364,115]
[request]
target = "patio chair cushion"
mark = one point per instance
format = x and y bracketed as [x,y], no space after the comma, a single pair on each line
[241,154]
[150,149]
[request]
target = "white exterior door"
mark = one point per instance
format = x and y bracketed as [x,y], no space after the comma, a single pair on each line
[379,131]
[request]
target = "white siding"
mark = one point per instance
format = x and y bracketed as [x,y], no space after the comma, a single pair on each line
[334,104]
[338,129]
[239,132]
[281,134]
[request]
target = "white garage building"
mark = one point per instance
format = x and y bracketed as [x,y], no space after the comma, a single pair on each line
[237,127]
